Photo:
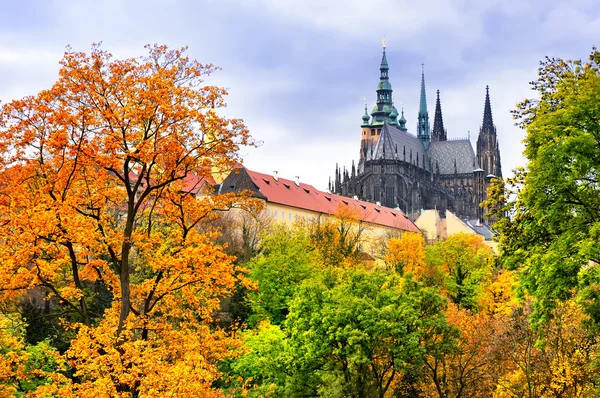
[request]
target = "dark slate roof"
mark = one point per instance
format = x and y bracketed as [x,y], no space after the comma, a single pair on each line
[480,229]
[384,149]
[445,153]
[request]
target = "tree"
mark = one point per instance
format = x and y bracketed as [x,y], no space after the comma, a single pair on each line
[407,254]
[465,260]
[552,232]
[339,239]
[95,177]
[358,333]
[557,360]
[468,370]
[286,260]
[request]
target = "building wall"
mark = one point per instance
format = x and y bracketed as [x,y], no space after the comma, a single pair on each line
[291,215]
[428,222]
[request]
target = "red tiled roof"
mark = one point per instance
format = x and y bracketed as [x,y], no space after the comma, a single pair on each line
[192,183]
[304,196]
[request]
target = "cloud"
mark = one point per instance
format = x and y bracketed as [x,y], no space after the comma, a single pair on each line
[297,72]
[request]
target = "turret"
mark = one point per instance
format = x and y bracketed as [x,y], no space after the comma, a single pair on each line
[402,121]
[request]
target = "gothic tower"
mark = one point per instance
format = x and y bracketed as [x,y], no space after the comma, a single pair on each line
[423,118]
[384,111]
[488,153]
[438,133]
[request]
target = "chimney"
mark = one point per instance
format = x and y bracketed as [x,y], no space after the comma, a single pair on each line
[378,203]
[355,197]
[275,177]
[297,178]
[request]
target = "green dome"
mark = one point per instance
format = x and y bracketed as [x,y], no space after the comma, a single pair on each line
[387,109]
[375,109]
[366,117]
[394,113]
[384,85]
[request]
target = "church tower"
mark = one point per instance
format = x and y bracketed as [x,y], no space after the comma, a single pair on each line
[488,153]
[383,112]
[438,133]
[423,118]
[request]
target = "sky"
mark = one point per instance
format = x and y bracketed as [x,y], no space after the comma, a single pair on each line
[297,72]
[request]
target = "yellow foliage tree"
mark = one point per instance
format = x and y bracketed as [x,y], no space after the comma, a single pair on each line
[98,177]
[407,254]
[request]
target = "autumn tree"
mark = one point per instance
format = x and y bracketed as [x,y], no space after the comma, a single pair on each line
[95,177]
[558,359]
[338,239]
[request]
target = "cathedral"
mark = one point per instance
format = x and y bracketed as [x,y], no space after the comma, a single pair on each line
[425,171]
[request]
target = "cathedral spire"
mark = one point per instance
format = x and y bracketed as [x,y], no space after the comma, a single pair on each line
[384,65]
[438,133]
[423,119]
[488,153]
[384,110]
[488,123]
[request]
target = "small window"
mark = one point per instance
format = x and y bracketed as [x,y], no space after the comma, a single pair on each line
[372,131]
[328,198]
[283,215]
[377,210]
[345,202]
[274,213]
[306,190]
[286,185]
[290,216]
[296,217]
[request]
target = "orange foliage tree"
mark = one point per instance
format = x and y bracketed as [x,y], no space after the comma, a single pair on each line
[471,369]
[96,177]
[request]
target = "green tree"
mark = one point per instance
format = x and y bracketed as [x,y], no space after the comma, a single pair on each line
[553,227]
[358,333]
[285,261]
[466,262]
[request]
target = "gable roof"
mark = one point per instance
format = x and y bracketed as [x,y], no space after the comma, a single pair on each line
[393,138]
[304,196]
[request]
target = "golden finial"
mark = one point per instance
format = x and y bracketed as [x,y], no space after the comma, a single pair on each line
[383,43]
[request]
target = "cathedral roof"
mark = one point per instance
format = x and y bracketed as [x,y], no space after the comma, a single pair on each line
[395,143]
[392,138]
[448,153]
